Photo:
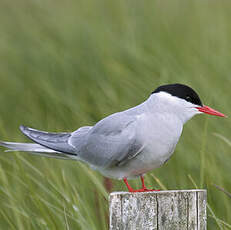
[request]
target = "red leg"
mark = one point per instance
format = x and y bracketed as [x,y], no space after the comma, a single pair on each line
[142,181]
[130,189]
[143,189]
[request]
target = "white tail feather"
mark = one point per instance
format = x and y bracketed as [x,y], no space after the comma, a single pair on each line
[35,149]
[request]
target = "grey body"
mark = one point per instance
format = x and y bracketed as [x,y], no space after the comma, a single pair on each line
[124,144]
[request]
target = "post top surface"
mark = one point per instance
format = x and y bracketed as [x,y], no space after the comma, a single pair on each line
[158,192]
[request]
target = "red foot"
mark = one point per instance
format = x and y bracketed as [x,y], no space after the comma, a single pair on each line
[143,189]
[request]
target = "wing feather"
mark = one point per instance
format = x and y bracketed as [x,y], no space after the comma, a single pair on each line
[112,141]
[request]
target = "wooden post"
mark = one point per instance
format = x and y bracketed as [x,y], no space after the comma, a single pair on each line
[162,210]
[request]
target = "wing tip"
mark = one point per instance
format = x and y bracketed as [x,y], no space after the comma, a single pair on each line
[25,130]
[22,128]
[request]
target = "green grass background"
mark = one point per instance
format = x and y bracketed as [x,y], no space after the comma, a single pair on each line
[65,64]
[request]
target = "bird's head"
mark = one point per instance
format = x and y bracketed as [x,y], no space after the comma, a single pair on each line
[180,100]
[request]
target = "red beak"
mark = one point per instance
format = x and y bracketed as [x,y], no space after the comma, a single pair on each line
[208,110]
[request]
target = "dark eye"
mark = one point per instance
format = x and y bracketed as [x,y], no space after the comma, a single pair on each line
[188,98]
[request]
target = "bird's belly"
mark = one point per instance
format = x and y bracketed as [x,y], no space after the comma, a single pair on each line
[149,159]
[145,161]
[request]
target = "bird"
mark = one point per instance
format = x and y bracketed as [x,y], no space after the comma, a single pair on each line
[126,144]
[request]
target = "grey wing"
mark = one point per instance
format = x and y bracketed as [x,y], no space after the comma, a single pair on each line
[61,142]
[112,141]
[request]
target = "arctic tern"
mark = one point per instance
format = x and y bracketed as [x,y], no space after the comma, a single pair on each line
[126,144]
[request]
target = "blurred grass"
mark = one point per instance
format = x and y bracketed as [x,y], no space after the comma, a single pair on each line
[68,64]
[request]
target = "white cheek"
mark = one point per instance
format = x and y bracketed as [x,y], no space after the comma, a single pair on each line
[196,111]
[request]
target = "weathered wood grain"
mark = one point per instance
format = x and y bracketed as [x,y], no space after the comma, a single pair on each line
[163,210]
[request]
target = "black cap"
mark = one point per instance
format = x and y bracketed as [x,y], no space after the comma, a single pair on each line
[181,91]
